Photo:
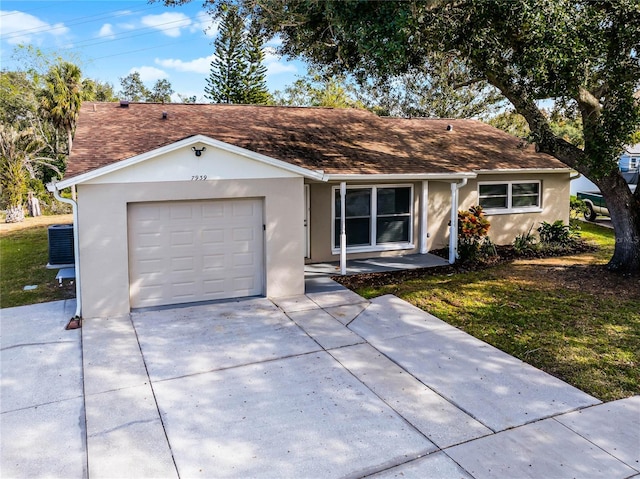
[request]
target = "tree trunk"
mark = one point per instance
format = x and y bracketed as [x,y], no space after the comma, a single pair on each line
[15,214]
[624,209]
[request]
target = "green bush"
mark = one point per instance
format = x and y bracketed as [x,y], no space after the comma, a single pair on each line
[526,243]
[577,208]
[557,234]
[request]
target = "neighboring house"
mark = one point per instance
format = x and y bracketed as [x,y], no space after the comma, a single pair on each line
[630,159]
[629,164]
[184,203]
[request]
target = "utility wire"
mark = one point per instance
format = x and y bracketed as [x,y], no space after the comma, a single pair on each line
[80,20]
[142,49]
[127,35]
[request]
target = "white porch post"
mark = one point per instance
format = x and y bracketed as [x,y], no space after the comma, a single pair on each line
[343,228]
[424,199]
[453,231]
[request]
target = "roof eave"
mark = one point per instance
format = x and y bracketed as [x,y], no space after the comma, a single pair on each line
[399,176]
[511,171]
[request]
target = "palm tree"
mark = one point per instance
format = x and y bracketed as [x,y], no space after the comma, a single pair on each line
[61,97]
[19,158]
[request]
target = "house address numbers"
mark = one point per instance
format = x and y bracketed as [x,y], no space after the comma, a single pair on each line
[198,177]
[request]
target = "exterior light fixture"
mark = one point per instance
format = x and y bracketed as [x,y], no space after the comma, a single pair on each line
[197,151]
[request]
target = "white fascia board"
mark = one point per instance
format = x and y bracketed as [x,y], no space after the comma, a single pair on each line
[511,171]
[399,177]
[192,140]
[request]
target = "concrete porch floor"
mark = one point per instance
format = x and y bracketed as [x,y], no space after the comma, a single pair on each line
[376,265]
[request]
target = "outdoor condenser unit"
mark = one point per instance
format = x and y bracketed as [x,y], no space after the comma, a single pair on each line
[61,245]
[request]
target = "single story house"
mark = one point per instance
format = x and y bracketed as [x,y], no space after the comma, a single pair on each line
[179,203]
[630,159]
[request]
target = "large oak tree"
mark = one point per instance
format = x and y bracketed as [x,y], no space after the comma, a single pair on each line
[580,53]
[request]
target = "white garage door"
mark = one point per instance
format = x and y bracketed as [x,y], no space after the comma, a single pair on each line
[187,251]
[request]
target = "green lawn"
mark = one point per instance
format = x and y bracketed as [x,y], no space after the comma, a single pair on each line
[23,257]
[567,316]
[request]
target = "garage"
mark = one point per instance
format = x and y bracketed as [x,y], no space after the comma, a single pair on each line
[189,251]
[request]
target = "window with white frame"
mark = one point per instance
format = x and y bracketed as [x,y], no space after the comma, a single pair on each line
[376,217]
[509,196]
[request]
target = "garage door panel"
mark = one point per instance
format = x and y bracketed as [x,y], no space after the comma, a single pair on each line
[181,212]
[212,236]
[213,261]
[194,251]
[213,210]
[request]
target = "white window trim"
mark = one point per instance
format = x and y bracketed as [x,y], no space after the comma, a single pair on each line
[374,215]
[510,209]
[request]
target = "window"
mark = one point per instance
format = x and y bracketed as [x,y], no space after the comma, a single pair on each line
[509,197]
[377,217]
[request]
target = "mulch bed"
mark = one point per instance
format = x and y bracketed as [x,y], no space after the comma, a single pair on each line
[506,254]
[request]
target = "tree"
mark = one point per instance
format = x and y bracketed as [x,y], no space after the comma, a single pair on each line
[319,90]
[95,90]
[161,92]
[187,99]
[438,89]
[61,97]
[564,126]
[20,155]
[228,69]
[583,54]
[255,80]
[238,74]
[133,89]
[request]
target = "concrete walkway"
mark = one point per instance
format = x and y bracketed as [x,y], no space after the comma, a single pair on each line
[322,385]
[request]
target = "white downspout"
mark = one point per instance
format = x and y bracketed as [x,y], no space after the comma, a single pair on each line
[424,218]
[453,232]
[76,245]
[343,228]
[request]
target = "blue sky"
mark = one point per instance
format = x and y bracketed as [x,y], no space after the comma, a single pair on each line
[110,39]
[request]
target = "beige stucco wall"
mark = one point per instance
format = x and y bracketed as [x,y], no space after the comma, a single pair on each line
[103,240]
[504,227]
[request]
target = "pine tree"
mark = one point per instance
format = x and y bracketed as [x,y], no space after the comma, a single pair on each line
[256,91]
[225,83]
[237,71]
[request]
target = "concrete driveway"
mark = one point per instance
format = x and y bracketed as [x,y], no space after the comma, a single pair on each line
[323,385]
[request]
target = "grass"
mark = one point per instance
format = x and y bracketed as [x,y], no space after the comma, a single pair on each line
[24,252]
[566,315]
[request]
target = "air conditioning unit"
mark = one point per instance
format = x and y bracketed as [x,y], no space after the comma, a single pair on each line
[61,253]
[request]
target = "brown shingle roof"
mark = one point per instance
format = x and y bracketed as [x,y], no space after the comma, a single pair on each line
[337,141]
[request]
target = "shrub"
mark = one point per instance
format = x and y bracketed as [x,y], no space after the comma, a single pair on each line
[557,234]
[577,208]
[526,243]
[473,228]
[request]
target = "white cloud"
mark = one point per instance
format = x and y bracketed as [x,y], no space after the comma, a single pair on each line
[169,23]
[106,31]
[126,26]
[199,65]
[150,74]
[21,27]
[275,65]
[275,41]
[206,24]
